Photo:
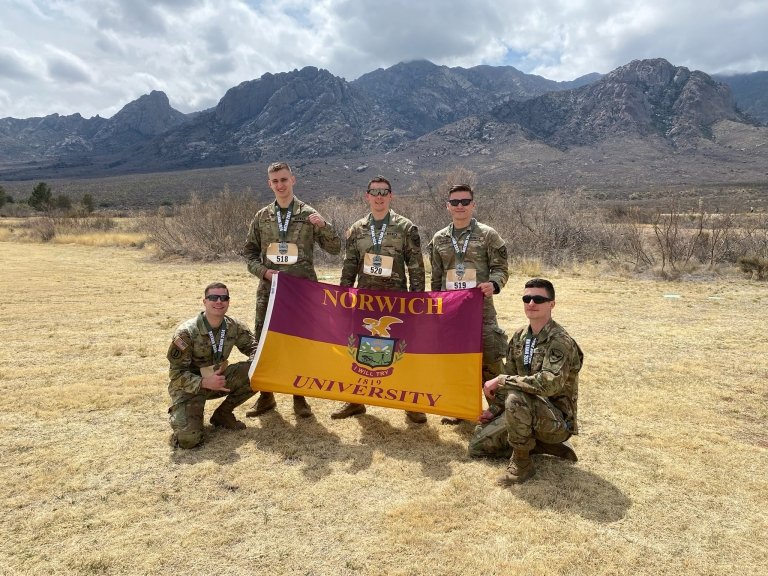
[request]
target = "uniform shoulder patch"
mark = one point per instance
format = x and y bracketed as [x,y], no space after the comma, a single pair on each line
[180,343]
[556,355]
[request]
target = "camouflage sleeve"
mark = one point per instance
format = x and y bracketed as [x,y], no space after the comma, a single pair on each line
[436,264]
[414,259]
[551,379]
[180,358]
[351,265]
[245,341]
[497,260]
[252,250]
[328,238]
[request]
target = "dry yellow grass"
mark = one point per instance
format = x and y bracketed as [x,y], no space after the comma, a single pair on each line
[672,476]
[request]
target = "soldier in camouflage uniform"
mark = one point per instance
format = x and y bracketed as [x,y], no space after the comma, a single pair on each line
[282,238]
[468,254]
[199,370]
[532,408]
[379,246]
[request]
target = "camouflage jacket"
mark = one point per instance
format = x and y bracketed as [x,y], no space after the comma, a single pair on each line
[486,253]
[401,241]
[263,231]
[190,350]
[554,369]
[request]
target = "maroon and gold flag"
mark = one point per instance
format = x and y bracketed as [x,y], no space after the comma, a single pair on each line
[418,351]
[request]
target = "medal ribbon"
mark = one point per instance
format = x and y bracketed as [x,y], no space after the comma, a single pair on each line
[460,253]
[377,242]
[530,345]
[282,227]
[222,335]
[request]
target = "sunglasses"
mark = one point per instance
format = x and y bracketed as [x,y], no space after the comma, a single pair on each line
[217,297]
[378,191]
[536,299]
[463,201]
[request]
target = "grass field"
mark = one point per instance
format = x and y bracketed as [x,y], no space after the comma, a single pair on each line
[673,450]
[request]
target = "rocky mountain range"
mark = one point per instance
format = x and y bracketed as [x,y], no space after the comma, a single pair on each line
[418,116]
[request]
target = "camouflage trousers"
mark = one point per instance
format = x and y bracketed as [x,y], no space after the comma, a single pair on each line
[526,418]
[186,413]
[494,349]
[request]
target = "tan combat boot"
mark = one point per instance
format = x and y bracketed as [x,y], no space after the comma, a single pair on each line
[224,418]
[416,417]
[519,469]
[265,403]
[301,407]
[562,450]
[349,409]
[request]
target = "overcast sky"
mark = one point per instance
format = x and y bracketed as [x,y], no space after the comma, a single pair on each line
[95,56]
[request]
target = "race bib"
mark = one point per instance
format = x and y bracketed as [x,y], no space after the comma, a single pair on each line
[456,281]
[283,253]
[376,265]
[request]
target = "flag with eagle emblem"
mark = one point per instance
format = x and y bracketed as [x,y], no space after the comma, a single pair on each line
[417,351]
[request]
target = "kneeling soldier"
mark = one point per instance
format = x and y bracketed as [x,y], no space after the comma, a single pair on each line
[199,370]
[532,408]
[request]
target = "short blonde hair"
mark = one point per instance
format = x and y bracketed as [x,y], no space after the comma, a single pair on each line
[277,166]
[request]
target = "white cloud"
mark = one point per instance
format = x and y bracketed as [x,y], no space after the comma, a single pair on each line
[94,56]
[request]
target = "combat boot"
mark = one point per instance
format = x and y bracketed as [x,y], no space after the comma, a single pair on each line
[519,469]
[416,417]
[265,403]
[301,407]
[224,418]
[349,409]
[449,420]
[562,450]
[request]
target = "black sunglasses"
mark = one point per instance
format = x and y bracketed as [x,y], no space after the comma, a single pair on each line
[462,201]
[536,299]
[217,297]
[378,191]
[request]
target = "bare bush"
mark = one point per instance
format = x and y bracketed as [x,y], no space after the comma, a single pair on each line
[83,224]
[552,227]
[755,266]
[341,213]
[43,228]
[203,229]
[751,237]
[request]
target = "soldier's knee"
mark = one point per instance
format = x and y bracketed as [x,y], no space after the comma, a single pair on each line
[515,400]
[188,440]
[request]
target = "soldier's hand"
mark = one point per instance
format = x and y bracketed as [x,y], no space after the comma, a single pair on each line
[316,220]
[215,382]
[268,275]
[486,288]
[490,387]
[486,416]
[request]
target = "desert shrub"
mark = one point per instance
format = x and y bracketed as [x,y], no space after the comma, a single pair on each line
[552,227]
[341,213]
[750,238]
[84,225]
[16,210]
[203,229]
[43,228]
[755,266]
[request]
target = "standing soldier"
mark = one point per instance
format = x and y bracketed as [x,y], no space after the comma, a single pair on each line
[468,254]
[199,370]
[379,247]
[281,238]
